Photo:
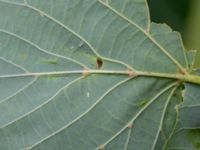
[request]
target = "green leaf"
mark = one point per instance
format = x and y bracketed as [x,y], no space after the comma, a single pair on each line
[90,74]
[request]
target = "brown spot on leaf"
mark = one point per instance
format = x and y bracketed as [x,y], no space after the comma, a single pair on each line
[130,126]
[102,148]
[183,71]
[131,73]
[86,72]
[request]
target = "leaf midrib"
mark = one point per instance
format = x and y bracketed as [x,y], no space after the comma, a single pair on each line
[86,71]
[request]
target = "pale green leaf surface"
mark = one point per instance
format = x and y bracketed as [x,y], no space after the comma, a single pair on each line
[190,108]
[67,76]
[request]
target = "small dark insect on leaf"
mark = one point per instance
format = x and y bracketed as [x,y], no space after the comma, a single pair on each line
[81,45]
[99,63]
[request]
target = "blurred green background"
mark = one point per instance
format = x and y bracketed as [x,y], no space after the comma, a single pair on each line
[182,16]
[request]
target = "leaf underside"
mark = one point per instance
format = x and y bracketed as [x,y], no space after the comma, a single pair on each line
[67,78]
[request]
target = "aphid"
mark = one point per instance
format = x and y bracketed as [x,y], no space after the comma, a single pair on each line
[50,61]
[81,45]
[41,14]
[88,94]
